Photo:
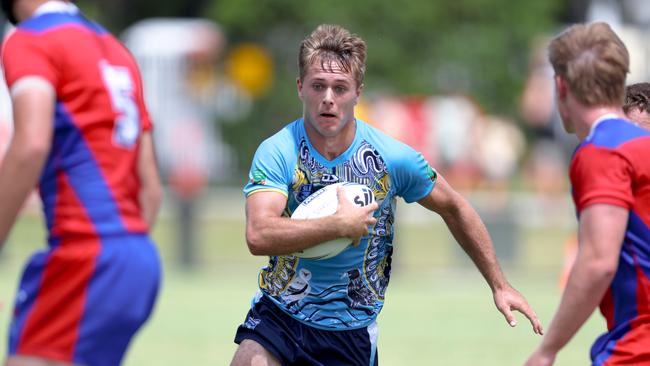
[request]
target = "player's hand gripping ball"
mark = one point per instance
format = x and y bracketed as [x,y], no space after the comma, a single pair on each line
[324,202]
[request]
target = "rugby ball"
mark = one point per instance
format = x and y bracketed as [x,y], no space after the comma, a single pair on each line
[324,202]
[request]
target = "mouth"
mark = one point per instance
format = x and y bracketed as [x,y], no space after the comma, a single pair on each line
[328,115]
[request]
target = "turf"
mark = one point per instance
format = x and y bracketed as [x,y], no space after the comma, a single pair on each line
[438,310]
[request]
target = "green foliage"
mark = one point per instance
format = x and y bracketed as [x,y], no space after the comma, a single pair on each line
[475,47]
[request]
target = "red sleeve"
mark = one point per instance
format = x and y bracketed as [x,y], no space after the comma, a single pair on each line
[600,175]
[26,54]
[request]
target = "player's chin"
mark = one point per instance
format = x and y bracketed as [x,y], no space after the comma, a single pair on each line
[329,129]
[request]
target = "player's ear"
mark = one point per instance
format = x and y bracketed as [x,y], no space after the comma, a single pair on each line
[299,85]
[561,87]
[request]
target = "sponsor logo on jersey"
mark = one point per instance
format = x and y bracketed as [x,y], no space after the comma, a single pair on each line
[432,174]
[259,177]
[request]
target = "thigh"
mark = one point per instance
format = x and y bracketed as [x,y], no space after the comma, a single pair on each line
[119,300]
[355,347]
[50,303]
[82,301]
[291,342]
[251,353]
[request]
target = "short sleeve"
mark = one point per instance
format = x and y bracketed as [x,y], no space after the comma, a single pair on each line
[601,175]
[269,170]
[26,54]
[414,177]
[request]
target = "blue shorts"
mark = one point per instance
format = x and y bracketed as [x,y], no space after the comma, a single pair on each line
[82,300]
[295,343]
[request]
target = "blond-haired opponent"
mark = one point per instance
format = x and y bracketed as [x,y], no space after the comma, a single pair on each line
[610,177]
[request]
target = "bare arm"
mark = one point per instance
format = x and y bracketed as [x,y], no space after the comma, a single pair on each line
[268,233]
[150,188]
[600,235]
[33,104]
[469,231]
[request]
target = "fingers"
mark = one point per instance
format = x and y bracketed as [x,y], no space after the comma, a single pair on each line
[371,207]
[340,194]
[532,317]
[507,313]
[517,302]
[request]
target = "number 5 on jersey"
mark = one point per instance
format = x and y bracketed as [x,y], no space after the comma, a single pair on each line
[120,85]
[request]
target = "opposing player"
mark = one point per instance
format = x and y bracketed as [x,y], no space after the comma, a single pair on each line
[610,175]
[637,104]
[334,322]
[82,133]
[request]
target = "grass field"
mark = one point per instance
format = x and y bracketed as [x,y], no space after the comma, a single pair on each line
[438,309]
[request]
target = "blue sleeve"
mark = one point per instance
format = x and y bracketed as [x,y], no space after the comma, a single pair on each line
[414,177]
[269,170]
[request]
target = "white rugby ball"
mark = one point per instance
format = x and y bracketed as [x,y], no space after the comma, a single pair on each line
[324,202]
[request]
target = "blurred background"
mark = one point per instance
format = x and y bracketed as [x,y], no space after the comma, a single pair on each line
[465,82]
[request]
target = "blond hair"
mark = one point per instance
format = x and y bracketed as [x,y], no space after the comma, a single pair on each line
[329,44]
[593,61]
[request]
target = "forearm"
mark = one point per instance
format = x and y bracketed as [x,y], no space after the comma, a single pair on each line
[282,235]
[150,186]
[150,199]
[471,234]
[585,289]
[19,173]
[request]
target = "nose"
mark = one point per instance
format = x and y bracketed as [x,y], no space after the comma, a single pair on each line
[328,98]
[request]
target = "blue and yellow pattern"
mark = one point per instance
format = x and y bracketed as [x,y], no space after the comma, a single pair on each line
[345,291]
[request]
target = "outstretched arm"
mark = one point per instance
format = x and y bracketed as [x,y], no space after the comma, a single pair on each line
[33,104]
[268,233]
[601,232]
[470,232]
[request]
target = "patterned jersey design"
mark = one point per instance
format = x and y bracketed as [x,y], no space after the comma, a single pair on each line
[347,290]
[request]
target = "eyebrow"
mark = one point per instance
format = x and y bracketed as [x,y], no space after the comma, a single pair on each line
[335,80]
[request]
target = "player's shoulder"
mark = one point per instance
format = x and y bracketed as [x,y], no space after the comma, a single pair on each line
[390,148]
[49,22]
[613,133]
[284,141]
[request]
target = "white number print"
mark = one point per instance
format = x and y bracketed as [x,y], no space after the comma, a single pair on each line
[121,88]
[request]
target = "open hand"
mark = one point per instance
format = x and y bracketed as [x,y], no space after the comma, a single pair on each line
[509,299]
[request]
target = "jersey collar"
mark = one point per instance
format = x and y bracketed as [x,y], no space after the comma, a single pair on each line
[600,119]
[56,6]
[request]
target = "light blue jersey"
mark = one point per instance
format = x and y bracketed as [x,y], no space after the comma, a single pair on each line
[347,290]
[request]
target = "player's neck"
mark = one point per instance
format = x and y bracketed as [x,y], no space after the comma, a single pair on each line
[586,117]
[331,147]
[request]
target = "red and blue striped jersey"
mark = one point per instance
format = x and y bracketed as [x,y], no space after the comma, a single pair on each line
[89,185]
[612,166]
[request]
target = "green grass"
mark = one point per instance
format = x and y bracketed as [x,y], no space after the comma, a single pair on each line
[438,311]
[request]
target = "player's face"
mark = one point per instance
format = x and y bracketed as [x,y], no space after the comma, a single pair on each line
[328,96]
[639,117]
[562,100]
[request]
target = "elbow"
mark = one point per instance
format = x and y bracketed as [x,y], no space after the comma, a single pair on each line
[604,270]
[34,151]
[255,242]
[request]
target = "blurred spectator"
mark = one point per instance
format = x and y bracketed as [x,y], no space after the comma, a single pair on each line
[178,58]
[550,147]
